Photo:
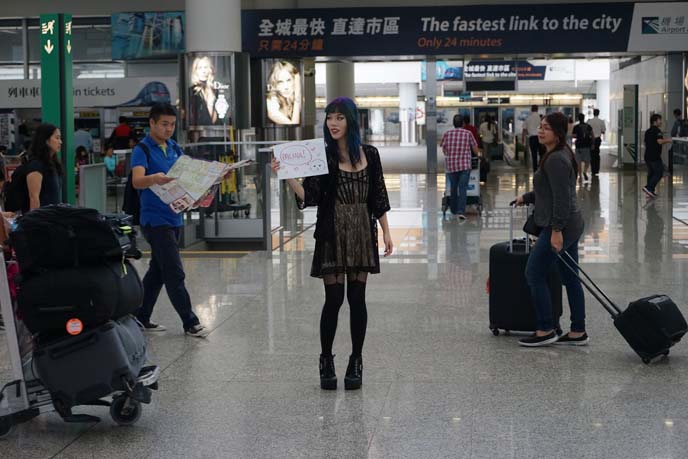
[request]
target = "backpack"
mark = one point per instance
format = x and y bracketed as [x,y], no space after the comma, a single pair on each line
[16,191]
[62,236]
[131,204]
[120,169]
[683,129]
[587,137]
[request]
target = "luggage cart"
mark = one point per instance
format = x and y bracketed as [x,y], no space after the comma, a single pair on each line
[25,397]
[473,192]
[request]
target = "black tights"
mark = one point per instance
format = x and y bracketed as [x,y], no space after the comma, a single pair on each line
[334,298]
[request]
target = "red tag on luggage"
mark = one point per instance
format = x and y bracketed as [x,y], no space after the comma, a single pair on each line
[74,327]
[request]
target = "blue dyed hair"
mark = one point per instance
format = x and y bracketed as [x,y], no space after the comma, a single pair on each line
[346,107]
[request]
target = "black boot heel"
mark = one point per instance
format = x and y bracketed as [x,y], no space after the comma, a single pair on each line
[328,378]
[354,373]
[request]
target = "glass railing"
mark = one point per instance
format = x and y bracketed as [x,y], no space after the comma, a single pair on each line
[251,209]
[246,208]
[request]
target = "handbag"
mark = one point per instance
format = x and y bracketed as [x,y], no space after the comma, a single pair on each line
[531,227]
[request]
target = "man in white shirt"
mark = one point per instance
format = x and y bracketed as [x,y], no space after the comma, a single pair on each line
[530,130]
[598,130]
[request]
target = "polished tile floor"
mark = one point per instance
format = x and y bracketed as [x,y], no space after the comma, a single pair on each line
[437,383]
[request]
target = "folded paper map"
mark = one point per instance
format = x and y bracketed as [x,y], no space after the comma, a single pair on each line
[194,179]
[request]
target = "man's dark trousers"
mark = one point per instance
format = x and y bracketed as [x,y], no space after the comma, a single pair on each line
[534,145]
[655,172]
[165,269]
[595,156]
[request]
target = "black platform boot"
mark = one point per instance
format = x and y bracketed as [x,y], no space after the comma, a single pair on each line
[354,373]
[328,378]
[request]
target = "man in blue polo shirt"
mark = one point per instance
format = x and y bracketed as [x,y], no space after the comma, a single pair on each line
[160,225]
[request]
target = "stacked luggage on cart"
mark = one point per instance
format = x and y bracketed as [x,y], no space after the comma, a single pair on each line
[76,292]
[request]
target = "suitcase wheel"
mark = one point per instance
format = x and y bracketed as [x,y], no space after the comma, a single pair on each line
[646,360]
[6,426]
[559,331]
[125,411]
[495,331]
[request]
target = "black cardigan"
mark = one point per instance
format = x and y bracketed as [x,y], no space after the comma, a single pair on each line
[321,191]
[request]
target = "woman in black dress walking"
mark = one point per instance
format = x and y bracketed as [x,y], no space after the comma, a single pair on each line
[351,199]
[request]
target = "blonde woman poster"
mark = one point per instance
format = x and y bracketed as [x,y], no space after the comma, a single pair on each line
[283,99]
[202,93]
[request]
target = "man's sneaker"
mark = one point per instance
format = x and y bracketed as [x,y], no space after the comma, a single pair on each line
[649,193]
[535,341]
[151,327]
[582,340]
[198,330]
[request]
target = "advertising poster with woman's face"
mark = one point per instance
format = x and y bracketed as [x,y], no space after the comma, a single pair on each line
[209,98]
[283,93]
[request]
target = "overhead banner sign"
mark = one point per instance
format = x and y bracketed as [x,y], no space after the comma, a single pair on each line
[659,26]
[481,70]
[96,92]
[143,35]
[484,29]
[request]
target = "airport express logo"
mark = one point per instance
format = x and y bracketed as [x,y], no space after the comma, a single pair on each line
[668,25]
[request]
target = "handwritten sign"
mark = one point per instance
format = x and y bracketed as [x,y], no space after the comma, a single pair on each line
[303,158]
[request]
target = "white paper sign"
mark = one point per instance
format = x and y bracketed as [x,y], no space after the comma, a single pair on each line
[303,158]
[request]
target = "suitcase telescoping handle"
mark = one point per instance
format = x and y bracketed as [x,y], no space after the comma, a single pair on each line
[512,207]
[589,284]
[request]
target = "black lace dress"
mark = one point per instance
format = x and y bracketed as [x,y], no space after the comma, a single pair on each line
[349,204]
[352,251]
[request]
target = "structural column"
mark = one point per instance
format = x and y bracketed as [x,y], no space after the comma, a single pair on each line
[340,80]
[676,91]
[408,95]
[603,99]
[675,86]
[431,116]
[57,98]
[213,25]
[309,109]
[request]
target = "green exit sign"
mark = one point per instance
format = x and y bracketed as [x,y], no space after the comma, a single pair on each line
[57,99]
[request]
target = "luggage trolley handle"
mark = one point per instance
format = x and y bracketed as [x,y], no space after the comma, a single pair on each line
[512,207]
[590,284]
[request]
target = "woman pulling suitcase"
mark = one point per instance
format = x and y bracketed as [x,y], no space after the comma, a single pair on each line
[558,217]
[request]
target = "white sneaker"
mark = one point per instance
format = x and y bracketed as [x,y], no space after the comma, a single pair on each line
[198,331]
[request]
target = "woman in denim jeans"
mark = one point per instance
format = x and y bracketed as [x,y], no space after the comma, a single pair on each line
[557,213]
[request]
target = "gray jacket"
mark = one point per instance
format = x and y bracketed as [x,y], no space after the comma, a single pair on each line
[554,195]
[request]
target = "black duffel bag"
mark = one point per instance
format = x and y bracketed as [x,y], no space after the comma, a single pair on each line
[61,236]
[92,294]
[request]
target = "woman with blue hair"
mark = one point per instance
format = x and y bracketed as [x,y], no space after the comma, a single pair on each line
[351,198]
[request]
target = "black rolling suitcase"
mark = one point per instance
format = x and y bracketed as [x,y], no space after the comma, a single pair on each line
[650,325]
[83,368]
[511,305]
